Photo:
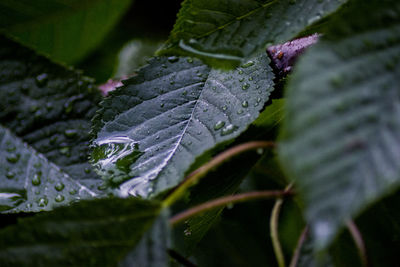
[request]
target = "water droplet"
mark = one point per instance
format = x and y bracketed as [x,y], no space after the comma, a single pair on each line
[70,133]
[240,111]
[248,64]
[258,99]
[187,232]
[228,129]
[59,198]
[245,104]
[164,66]
[173,59]
[65,151]
[41,80]
[10,174]
[189,60]
[11,148]
[241,79]
[314,19]
[36,180]
[43,202]
[219,125]
[240,71]
[13,158]
[72,192]
[10,200]
[245,86]
[87,170]
[162,105]
[224,108]
[59,186]
[184,93]
[250,78]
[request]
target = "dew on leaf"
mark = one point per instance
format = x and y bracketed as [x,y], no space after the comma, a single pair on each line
[248,64]
[10,174]
[41,80]
[59,186]
[245,104]
[43,202]
[173,59]
[219,125]
[245,86]
[59,198]
[13,158]
[36,180]
[228,129]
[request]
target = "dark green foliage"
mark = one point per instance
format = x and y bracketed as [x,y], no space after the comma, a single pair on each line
[65,29]
[97,233]
[226,32]
[340,138]
[49,107]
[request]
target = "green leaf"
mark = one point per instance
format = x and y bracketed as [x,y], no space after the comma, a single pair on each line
[152,248]
[340,137]
[224,33]
[89,233]
[29,182]
[150,131]
[65,29]
[49,107]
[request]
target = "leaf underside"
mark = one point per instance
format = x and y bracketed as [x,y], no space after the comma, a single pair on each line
[50,108]
[66,30]
[151,130]
[340,139]
[225,32]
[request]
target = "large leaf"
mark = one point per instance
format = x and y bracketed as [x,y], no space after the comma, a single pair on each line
[224,32]
[94,233]
[150,131]
[340,140]
[29,182]
[49,107]
[65,29]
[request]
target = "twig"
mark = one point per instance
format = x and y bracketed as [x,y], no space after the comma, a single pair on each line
[179,258]
[300,242]
[358,240]
[196,175]
[274,221]
[223,201]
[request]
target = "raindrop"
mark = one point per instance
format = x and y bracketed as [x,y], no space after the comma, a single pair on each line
[70,133]
[41,80]
[173,59]
[245,104]
[59,198]
[248,64]
[245,86]
[224,108]
[228,129]
[10,200]
[240,72]
[59,186]
[36,180]
[162,105]
[219,125]
[250,78]
[314,19]
[72,192]
[241,79]
[240,111]
[87,170]
[65,151]
[189,60]
[10,174]
[43,202]
[13,158]
[187,232]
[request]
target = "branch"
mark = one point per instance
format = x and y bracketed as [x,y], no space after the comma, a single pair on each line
[223,201]
[300,242]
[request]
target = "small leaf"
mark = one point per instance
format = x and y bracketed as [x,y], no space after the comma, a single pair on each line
[49,107]
[29,182]
[65,30]
[89,233]
[340,137]
[150,131]
[224,33]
